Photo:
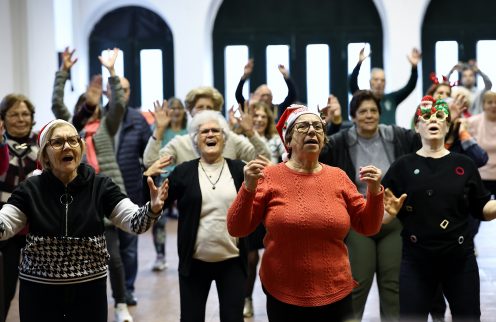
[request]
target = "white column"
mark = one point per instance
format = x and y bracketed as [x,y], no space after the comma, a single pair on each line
[402,23]
[8,79]
[41,58]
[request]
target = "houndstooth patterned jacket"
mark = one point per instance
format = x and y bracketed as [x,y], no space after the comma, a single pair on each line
[65,244]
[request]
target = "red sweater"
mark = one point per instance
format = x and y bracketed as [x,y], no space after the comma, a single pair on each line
[307,217]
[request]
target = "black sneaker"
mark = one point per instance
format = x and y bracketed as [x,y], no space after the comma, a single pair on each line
[131,300]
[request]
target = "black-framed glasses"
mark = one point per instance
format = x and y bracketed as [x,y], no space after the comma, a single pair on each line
[59,143]
[304,127]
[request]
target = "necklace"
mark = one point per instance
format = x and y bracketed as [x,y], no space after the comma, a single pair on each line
[208,177]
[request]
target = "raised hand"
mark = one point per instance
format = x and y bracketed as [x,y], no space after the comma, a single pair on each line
[332,110]
[245,119]
[372,177]
[362,56]
[457,106]
[109,61]
[161,114]
[283,70]
[248,68]
[253,171]
[157,195]
[392,205]
[67,60]
[473,64]
[415,57]
[157,167]
[94,91]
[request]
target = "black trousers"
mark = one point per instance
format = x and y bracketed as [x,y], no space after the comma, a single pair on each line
[420,282]
[80,302]
[230,279]
[339,311]
[11,250]
[117,275]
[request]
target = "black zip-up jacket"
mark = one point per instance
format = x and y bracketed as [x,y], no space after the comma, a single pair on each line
[65,243]
[336,152]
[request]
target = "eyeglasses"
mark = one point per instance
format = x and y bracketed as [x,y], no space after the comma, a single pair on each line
[59,143]
[18,115]
[304,127]
[439,115]
[215,131]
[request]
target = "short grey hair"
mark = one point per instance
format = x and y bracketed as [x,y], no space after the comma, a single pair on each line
[44,138]
[203,117]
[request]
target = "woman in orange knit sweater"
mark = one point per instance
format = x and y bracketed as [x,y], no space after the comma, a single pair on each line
[307,208]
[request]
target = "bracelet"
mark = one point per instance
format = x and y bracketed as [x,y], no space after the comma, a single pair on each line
[155,214]
[464,136]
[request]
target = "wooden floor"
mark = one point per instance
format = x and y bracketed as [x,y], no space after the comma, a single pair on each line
[158,293]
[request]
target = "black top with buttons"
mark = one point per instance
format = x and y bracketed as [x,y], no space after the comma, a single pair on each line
[442,194]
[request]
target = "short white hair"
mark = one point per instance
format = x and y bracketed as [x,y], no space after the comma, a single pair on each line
[203,117]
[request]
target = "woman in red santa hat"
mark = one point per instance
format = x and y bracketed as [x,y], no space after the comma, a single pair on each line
[307,208]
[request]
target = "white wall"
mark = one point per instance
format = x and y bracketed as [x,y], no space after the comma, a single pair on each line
[29,63]
[7,80]
[402,21]
[41,59]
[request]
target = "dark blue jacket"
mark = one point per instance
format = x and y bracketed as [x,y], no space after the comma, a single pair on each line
[133,137]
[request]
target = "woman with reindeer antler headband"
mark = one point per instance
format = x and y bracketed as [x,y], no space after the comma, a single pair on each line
[440,88]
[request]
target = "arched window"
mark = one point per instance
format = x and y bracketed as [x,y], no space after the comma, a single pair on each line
[312,37]
[457,30]
[146,46]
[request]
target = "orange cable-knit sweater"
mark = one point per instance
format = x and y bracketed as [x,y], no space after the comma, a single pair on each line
[307,217]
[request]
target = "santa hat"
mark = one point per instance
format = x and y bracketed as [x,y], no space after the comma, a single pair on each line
[429,105]
[42,140]
[426,104]
[289,117]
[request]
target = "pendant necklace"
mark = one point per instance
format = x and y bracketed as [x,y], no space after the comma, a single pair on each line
[208,177]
